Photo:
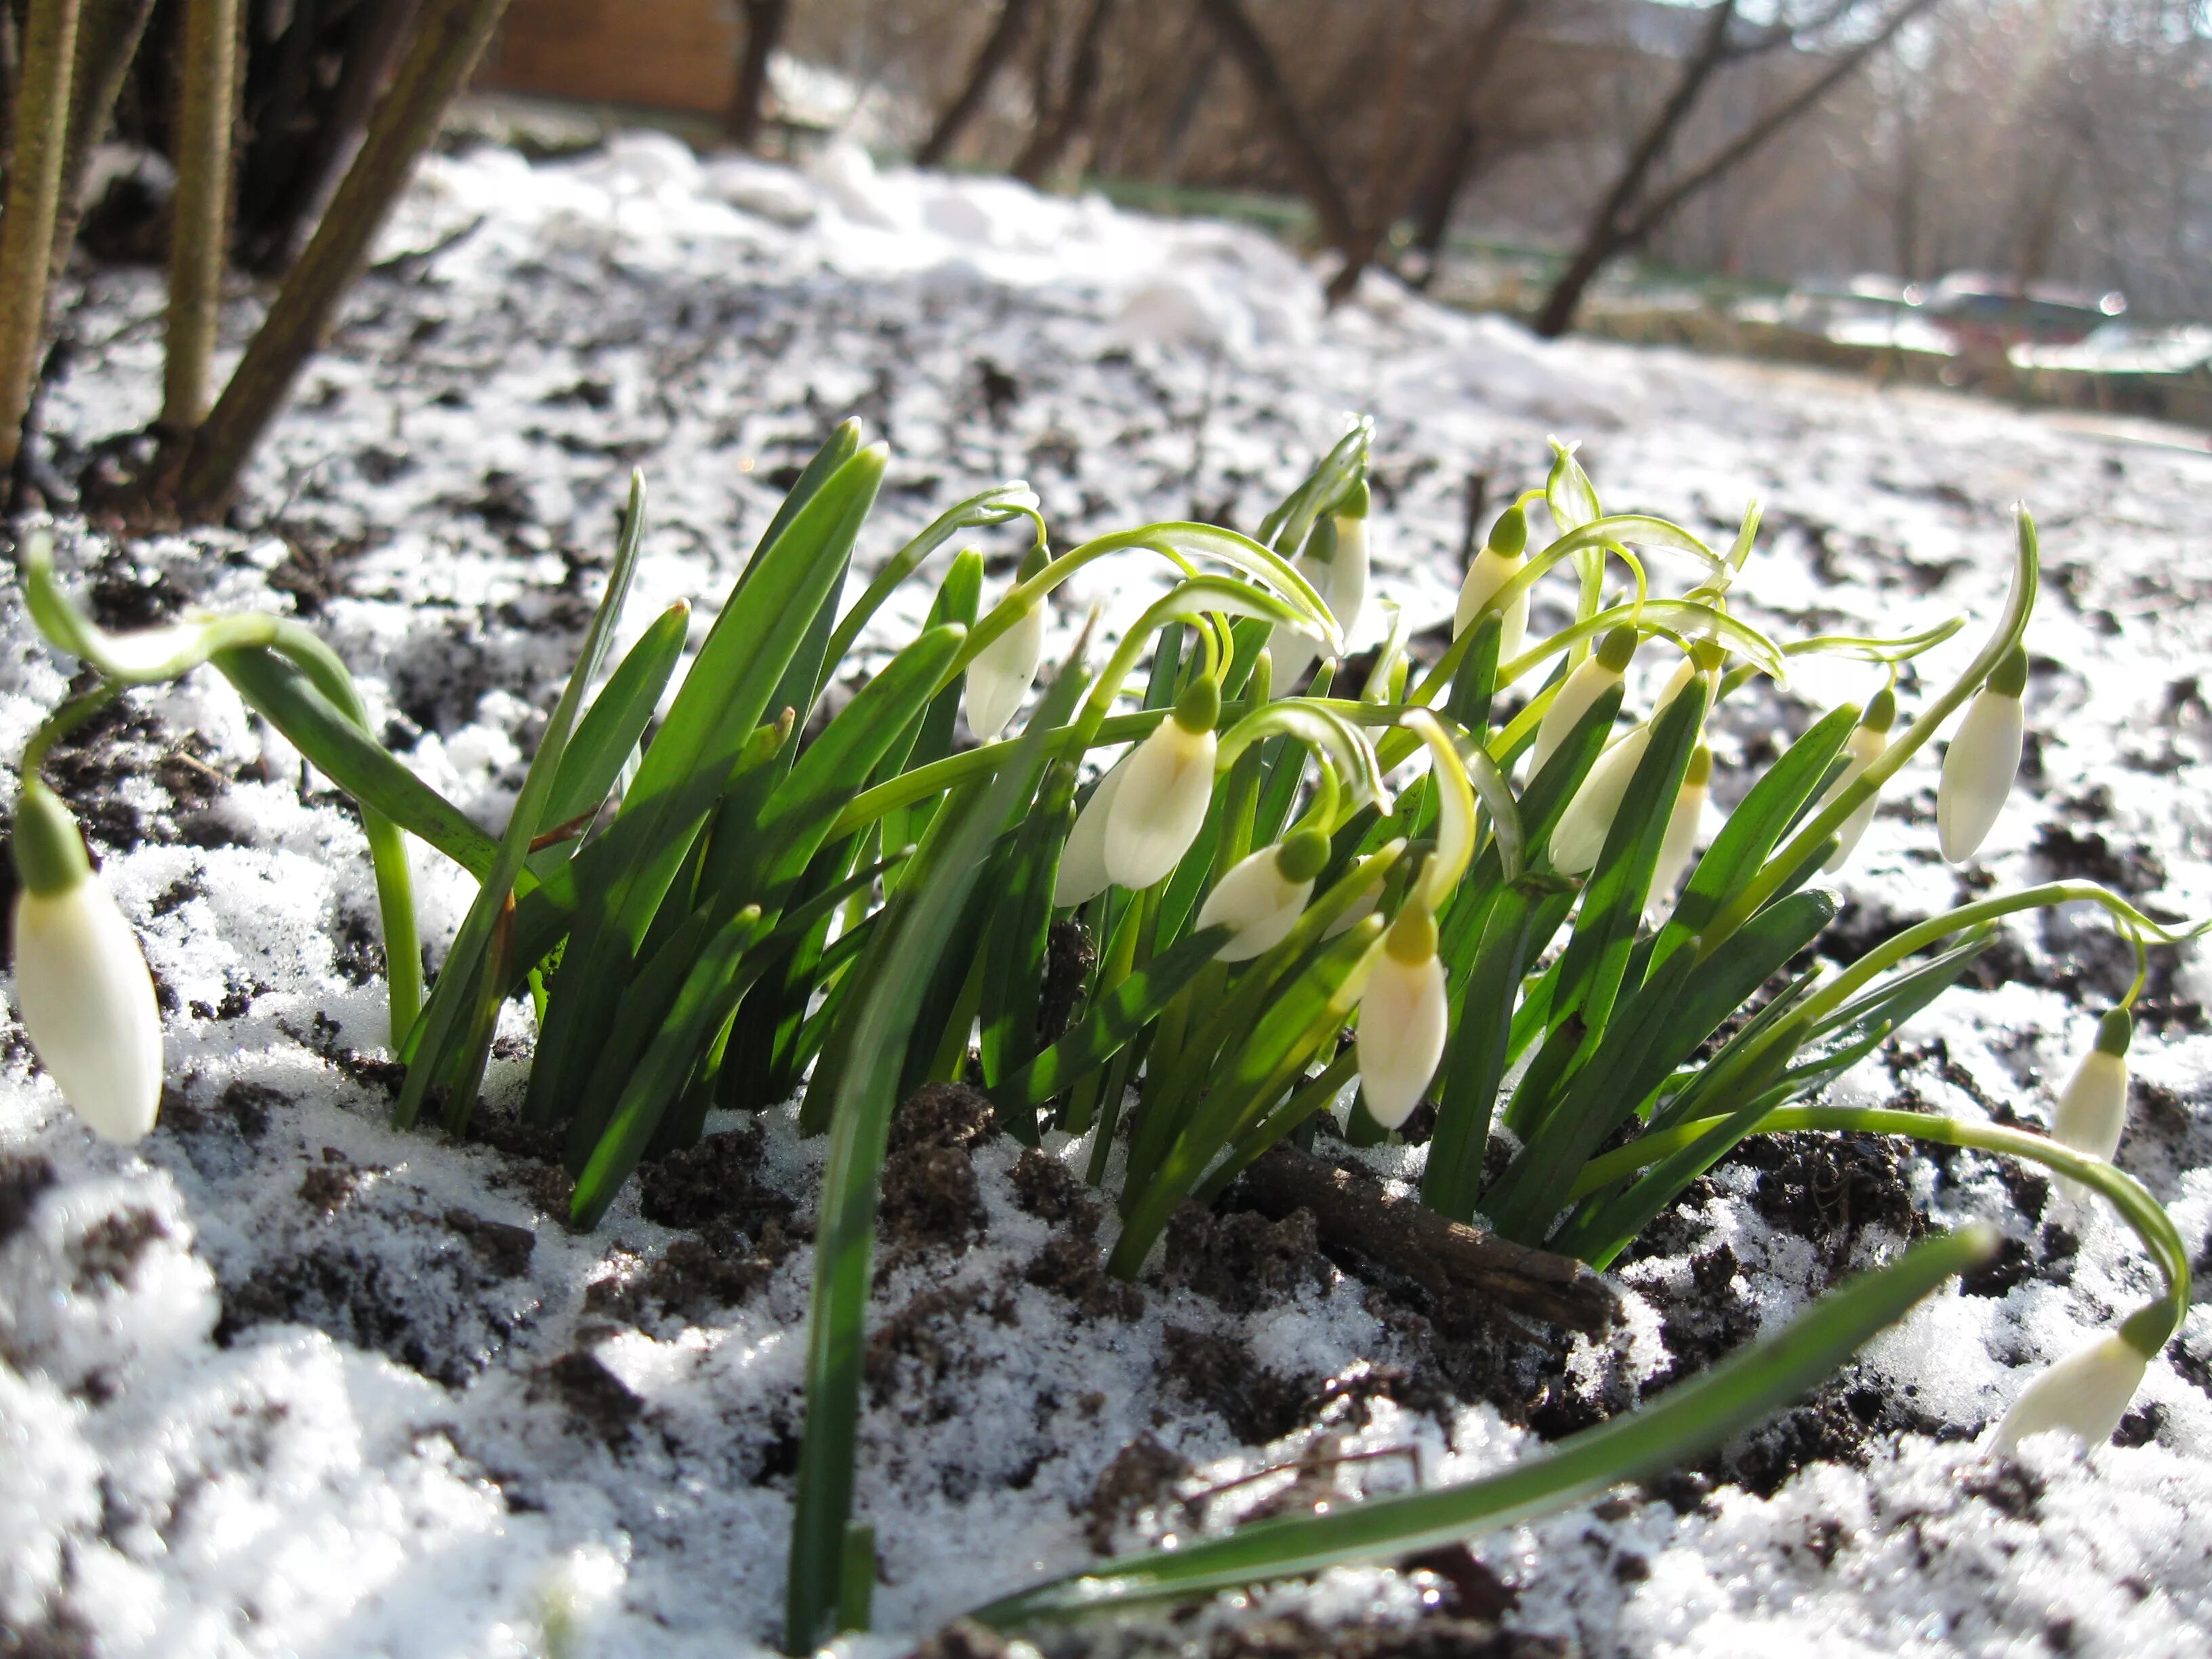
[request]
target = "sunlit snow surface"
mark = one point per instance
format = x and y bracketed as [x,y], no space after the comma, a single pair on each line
[414,1486]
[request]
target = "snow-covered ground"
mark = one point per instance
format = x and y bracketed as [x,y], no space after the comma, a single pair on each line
[282,1381]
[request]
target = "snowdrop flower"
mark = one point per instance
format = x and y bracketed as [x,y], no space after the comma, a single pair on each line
[1003,670]
[2094,1110]
[1682,825]
[1862,750]
[2086,1393]
[1083,875]
[1592,678]
[1263,894]
[80,980]
[1167,780]
[1402,1017]
[1497,563]
[1983,761]
[1579,835]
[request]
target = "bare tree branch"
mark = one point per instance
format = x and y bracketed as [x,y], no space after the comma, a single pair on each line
[1301,152]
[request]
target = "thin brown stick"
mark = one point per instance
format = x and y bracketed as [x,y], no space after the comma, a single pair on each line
[206,112]
[27,229]
[450,38]
[1448,1259]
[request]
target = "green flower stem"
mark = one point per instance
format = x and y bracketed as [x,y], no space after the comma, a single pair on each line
[2122,1191]
[997,505]
[2011,628]
[1935,929]
[1703,1412]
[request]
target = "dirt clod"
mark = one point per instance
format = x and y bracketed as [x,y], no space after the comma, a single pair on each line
[592,1393]
[1049,1189]
[1225,1377]
[717,1179]
[1068,1265]
[1140,1477]
[501,1247]
[1243,1260]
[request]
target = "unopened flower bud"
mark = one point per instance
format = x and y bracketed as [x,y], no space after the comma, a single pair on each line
[1983,762]
[1263,894]
[1160,806]
[2094,1109]
[1683,824]
[1579,835]
[2084,1394]
[1335,561]
[1861,750]
[1591,679]
[1402,1017]
[1499,561]
[80,980]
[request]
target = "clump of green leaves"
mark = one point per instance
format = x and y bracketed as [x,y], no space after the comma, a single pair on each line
[1477,882]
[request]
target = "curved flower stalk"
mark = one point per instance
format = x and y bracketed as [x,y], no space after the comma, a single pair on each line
[1000,676]
[1159,805]
[169,653]
[1502,558]
[1591,678]
[1862,749]
[1983,761]
[80,980]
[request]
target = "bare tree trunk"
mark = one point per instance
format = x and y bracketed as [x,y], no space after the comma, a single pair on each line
[765,25]
[1048,143]
[107,36]
[1607,229]
[990,58]
[27,229]
[447,43]
[1439,197]
[1623,229]
[1301,153]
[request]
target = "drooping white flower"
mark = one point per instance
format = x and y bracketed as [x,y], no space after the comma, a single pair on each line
[2086,1394]
[1862,750]
[1683,824]
[1983,762]
[1002,673]
[1160,805]
[1579,835]
[80,980]
[1499,561]
[2093,1112]
[1591,679]
[1083,875]
[1402,1017]
[1263,894]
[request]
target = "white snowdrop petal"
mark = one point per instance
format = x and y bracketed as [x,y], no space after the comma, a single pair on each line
[1681,840]
[1002,673]
[1862,749]
[1978,773]
[1346,592]
[2086,1394]
[88,1004]
[1083,875]
[1590,680]
[2094,1110]
[1401,1034]
[1161,805]
[1579,836]
[1254,898]
[1490,572]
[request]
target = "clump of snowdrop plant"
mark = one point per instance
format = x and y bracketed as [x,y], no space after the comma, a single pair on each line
[1490,871]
